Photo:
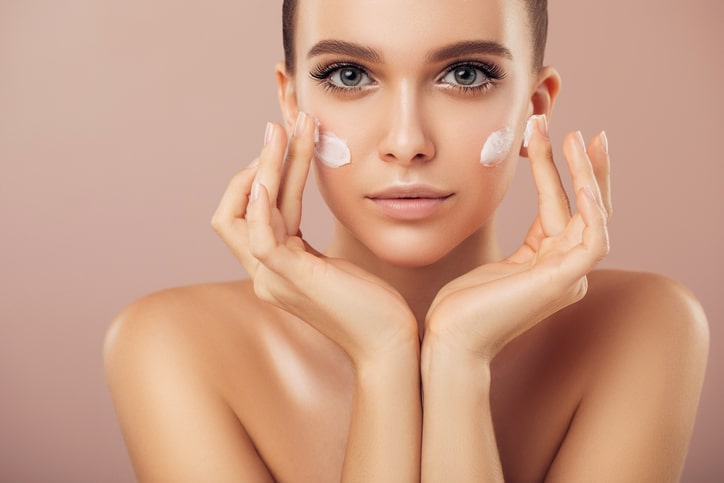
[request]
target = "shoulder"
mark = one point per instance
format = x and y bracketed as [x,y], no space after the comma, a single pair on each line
[169,357]
[173,314]
[645,303]
[642,341]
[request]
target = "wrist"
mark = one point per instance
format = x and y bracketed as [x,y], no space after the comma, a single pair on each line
[398,357]
[440,357]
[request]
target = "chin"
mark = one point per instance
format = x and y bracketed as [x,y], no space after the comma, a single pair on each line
[409,249]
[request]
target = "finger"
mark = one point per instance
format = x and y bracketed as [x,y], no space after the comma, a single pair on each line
[296,170]
[594,242]
[271,160]
[598,153]
[263,244]
[261,234]
[228,219]
[580,165]
[553,205]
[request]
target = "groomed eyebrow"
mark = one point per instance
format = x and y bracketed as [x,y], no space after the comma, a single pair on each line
[469,47]
[458,49]
[345,48]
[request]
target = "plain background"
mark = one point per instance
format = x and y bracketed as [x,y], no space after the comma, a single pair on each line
[121,123]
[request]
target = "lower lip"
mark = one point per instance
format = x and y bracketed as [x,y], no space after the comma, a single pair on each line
[409,208]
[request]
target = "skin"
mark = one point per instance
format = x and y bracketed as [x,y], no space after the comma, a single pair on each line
[314,368]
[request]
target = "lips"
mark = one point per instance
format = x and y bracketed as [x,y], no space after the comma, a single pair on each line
[410,202]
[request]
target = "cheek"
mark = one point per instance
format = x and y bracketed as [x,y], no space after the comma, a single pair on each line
[332,151]
[497,147]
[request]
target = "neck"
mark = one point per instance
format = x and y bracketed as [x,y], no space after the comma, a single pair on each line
[420,285]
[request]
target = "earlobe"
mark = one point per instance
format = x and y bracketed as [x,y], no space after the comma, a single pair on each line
[287,95]
[544,96]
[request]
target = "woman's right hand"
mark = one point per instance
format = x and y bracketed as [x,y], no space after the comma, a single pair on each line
[259,218]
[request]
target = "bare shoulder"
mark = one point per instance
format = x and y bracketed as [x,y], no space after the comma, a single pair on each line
[629,303]
[643,340]
[168,356]
[186,312]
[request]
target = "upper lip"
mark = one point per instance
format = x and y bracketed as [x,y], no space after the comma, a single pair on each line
[410,191]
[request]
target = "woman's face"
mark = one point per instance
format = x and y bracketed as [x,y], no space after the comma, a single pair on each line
[414,88]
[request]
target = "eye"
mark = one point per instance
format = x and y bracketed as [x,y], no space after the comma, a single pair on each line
[466,76]
[349,76]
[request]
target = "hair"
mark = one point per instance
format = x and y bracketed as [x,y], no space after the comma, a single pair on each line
[537,20]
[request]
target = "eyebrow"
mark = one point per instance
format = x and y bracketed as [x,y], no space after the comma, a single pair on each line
[468,47]
[345,48]
[458,49]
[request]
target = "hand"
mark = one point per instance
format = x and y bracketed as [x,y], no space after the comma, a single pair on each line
[481,311]
[259,218]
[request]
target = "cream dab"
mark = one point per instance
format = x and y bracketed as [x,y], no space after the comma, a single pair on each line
[497,147]
[332,151]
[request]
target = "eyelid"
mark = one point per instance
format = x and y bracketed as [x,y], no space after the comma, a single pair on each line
[323,74]
[492,71]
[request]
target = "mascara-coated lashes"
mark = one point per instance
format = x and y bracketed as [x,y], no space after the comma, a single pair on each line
[468,77]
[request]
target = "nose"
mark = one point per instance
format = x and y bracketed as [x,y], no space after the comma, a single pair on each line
[405,139]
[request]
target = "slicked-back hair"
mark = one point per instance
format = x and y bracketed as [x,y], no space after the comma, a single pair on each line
[537,20]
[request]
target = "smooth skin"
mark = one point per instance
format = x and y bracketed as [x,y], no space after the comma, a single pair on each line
[532,367]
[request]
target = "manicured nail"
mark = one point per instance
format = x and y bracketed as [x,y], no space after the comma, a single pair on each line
[581,142]
[543,125]
[268,133]
[316,129]
[255,192]
[604,141]
[536,121]
[301,122]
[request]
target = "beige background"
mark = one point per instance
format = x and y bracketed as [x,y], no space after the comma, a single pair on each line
[122,121]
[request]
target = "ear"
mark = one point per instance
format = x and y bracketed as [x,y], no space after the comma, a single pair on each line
[544,95]
[287,93]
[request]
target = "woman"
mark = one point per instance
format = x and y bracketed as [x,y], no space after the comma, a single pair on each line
[319,367]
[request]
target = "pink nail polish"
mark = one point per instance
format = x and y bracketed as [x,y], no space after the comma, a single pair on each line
[543,125]
[268,133]
[581,142]
[604,141]
[299,126]
[255,192]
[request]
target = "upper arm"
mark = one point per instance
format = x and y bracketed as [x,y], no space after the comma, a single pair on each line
[175,424]
[635,418]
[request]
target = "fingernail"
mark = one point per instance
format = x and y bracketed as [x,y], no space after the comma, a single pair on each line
[604,141]
[299,126]
[539,121]
[255,191]
[581,142]
[316,129]
[254,163]
[268,133]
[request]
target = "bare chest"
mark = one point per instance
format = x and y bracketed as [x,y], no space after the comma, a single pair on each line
[296,407]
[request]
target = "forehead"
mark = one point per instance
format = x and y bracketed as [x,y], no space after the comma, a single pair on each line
[411,28]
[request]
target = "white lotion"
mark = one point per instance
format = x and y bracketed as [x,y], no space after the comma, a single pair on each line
[497,147]
[332,151]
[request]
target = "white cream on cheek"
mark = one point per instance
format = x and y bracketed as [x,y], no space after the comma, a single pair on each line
[497,147]
[332,151]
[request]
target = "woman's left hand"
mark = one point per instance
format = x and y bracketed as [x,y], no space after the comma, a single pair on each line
[480,312]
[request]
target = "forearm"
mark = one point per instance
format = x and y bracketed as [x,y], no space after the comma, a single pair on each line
[385,431]
[459,442]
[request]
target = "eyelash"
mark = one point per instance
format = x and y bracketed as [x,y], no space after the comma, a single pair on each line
[492,72]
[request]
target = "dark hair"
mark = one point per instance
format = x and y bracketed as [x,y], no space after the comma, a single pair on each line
[537,19]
